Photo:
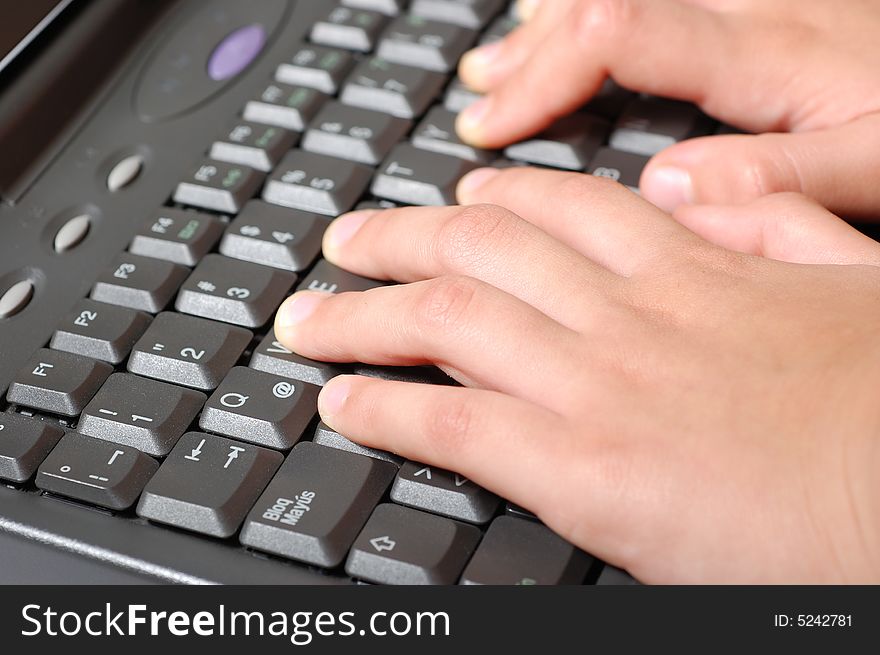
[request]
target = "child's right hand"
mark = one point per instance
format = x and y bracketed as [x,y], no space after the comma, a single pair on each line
[807,67]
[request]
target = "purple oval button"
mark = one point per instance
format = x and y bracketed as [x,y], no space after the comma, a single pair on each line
[233,54]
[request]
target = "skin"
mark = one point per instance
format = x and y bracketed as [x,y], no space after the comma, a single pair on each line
[692,399]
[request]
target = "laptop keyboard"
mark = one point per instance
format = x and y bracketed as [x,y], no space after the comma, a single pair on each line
[165,397]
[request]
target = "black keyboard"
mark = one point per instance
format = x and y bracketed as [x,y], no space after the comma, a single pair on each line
[162,400]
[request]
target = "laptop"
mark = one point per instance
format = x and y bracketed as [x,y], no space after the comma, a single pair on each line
[167,170]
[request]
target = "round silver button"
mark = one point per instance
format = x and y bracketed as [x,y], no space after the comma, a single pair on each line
[124,172]
[72,233]
[16,298]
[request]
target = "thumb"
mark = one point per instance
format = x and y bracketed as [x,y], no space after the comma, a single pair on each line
[837,167]
[785,226]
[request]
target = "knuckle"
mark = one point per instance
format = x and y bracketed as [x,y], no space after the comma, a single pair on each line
[449,426]
[472,233]
[445,304]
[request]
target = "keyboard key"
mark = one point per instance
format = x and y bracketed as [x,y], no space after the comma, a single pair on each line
[271,356]
[261,408]
[317,503]
[326,436]
[96,471]
[208,484]
[398,90]
[623,167]
[611,575]
[651,124]
[414,41]
[570,143]
[387,7]
[443,492]
[315,183]
[218,186]
[316,67]
[458,97]
[188,351]
[437,133]
[351,29]
[274,236]
[399,545]
[179,236]
[416,177]
[610,101]
[24,444]
[145,414]
[234,291]
[285,106]
[254,145]
[516,552]
[518,512]
[58,382]
[332,279]
[474,14]
[100,331]
[353,133]
[413,374]
[139,282]
[500,28]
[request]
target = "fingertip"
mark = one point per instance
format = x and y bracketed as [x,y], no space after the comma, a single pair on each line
[332,398]
[294,311]
[476,66]
[471,123]
[667,186]
[342,230]
[526,9]
[471,183]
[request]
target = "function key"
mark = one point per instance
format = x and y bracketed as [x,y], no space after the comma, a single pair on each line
[354,133]
[275,236]
[417,177]
[96,471]
[188,351]
[414,41]
[387,7]
[139,282]
[234,291]
[254,145]
[98,330]
[648,125]
[218,186]
[208,484]
[285,106]
[443,492]
[351,29]
[316,67]
[437,133]
[403,91]
[24,444]
[331,279]
[570,143]
[474,14]
[316,504]
[58,382]
[145,414]
[179,236]
[271,356]
[261,408]
[399,545]
[516,552]
[315,183]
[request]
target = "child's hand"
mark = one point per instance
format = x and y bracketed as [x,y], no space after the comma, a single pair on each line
[809,67]
[683,411]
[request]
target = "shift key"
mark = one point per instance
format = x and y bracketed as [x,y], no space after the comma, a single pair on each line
[317,503]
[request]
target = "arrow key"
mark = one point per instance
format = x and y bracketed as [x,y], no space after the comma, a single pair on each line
[443,492]
[399,545]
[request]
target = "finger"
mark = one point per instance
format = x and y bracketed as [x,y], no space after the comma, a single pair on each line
[485,67]
[656,46]
[514,448]
[600,219]
[836,167]
[481,336]
[788,227]
[485,242]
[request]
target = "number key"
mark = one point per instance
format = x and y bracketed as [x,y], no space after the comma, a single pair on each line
[413,41]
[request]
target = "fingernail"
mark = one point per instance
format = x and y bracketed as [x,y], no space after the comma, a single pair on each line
[333,396]
[478,59]
[470,121]
[668,187]
[298,308]
[345,227]
[473,181]
[525,9]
